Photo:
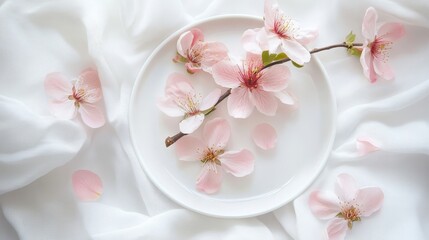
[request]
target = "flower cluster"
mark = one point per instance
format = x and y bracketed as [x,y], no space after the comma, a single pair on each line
[348,206]
[259,80]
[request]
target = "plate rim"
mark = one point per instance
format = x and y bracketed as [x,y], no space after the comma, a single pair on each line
[132,133]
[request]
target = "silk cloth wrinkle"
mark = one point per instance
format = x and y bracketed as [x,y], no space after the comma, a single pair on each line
[39,153]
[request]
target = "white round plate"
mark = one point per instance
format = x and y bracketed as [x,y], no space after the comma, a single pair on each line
[305,134]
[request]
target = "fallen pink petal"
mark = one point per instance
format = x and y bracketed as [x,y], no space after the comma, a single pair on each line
[366,145]
[264,136]
[348,206]
[87,185]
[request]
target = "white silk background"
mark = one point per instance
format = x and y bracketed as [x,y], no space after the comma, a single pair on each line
[38,153]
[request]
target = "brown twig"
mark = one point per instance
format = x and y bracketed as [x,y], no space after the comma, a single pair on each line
[171,140]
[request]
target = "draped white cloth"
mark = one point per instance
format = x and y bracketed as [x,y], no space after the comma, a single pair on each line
[39,153]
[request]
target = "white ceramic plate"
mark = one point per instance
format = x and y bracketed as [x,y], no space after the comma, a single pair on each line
[305,135]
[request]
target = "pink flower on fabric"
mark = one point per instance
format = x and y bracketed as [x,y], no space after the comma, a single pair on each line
[350,205]
[211,153]
[253,87]
[66,98]
[280,33]
[376,46]
[181,100]
[197,54]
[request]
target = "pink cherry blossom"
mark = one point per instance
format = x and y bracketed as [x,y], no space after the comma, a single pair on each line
[213,156]
[198,54]
[348,206]
[378,42]
[252,86]
[66,98]
[181,100]
[279,34]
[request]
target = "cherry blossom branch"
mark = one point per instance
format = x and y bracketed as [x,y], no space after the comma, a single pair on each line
[171,140]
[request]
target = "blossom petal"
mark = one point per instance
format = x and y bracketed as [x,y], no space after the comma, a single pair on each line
[189,148]
[383,69]
[273,40]
[275,78]
[184,43]
[365,60]
[57,86]
[226,74]
[264,136]
[169,107]
[369,23]
[210,100]
[91,115]
[295,51]
[306,36]
[265,102]
[337,229]
[366,145]
[90,78]
[87,185]
[372,74]
[191,123]
[285,97]
[238,163]
[270,11]
[214,52]
[198,35]
[209,179]
[192,68]
[370,200]
[178,86]
[62,109]
[216,133]
[249,40]
[324,205]
[346,187]
[391,31]
[239,103]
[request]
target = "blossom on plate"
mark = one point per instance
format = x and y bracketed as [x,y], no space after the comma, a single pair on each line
[350,205]
[181,100]
[377,43]
[279,33]
[66,98]
[198,54]
[87,185]
[211,153]
[252,86]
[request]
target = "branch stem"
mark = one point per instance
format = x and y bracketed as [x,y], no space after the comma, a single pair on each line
[172,139]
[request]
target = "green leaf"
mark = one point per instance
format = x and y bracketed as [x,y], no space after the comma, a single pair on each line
[354,52]
[350,38]
[297,65]
[280,56]
[265,57]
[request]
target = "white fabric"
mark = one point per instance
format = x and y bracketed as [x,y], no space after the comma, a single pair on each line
[38,153]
